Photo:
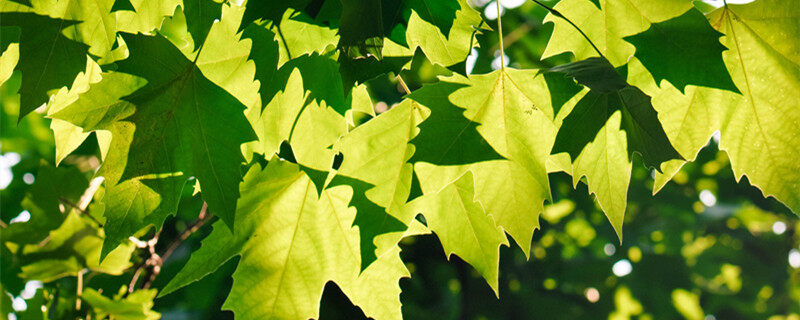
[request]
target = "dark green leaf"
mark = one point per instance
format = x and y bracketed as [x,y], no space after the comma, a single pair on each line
[269,9]
[54,188]
[447,137]
[596,73]
[164,132]
[684,50]
[122,5]
[640,122]
[48,59]
[200,16]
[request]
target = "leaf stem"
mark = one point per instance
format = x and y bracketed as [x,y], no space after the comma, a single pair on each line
[558,14]
[500,35]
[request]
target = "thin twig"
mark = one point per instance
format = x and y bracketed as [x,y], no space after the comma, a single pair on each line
[152,266]
[135,278]
[202,218]
[150,245]
[558,14]
[80,290]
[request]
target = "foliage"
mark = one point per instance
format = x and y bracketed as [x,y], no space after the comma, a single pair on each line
[263,127]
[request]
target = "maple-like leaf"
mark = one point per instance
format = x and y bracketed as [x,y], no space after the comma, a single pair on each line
[52,189]
[757,127]
[609,93]
[200,16]
[299,34]
[96,24]
[71,248]
[375,164]
[68,137]
[361,27]
[292,241]
[606,26]
[464,227]
[607,168]
[136,306]
[443,43]
[689,118]
[269,9]
[162,133]
[48,59]
[684,50]
[502,115]
[146,15]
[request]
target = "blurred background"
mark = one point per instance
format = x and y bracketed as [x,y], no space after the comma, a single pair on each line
[704,247]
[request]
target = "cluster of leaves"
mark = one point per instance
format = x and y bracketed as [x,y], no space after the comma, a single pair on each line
[261,111]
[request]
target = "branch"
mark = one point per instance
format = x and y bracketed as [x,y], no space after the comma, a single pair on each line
[202,218]
[152,266]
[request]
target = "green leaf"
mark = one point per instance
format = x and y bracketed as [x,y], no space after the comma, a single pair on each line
[280,115]
[502,187]
[689,118]
[762,40]
[294,241]
[163,133]
[684,50]
[122,5]
[441,45]
[97,25]
[510,110]
[136,306]
[607,27]
[440,13]
[68,136]
[464,228]
[316,131]
[298,34]
[375,166]
[264,54]
[756,127]
[9,36]
[378,151]
[269,9]
[607,168]
[320,79]
[200,16]
[146,16]
[359,70]
[361,28]
[53,188]
[48,59]
[371,219]
[609,93]
[447,137]
[228,64]
[595,73]
[70,249]
[753,126]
